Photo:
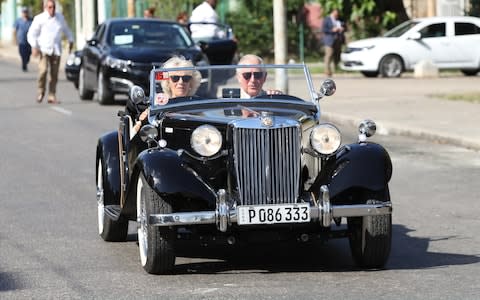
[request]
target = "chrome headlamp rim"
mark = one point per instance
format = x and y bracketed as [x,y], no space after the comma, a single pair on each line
[325,138]
[206,140]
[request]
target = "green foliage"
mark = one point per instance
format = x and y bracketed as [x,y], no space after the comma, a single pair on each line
[252,24]
[365,18]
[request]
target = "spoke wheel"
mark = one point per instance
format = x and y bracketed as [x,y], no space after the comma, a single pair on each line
[83,92]
[156,244]
[391,66]
[110,230]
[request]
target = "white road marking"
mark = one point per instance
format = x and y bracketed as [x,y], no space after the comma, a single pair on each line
[62,110]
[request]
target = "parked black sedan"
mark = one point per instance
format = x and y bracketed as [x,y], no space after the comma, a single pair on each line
[123,51]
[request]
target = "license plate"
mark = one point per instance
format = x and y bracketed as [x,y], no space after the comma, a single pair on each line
[272,214]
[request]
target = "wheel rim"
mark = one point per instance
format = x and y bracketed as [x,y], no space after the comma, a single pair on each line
[142,223]
[392,67]
[100,198]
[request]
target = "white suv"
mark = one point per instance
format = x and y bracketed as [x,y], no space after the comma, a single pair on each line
[448,42]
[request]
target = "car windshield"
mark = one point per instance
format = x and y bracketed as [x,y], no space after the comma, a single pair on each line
[231,84]
[148,35]
[401,29]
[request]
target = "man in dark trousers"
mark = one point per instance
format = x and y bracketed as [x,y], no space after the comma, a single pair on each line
[20,29]
[333,38]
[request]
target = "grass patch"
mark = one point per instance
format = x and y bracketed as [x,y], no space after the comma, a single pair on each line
[473,97]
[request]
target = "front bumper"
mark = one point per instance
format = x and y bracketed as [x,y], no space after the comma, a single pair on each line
[224,216]
[365,60]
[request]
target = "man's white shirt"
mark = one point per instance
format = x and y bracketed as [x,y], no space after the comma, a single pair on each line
[45,33]
[205,13]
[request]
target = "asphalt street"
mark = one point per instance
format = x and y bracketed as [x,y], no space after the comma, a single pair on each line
[50,248]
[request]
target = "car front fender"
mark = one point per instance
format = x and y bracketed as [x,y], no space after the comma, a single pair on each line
[107,150]
[172,179]
[364,165]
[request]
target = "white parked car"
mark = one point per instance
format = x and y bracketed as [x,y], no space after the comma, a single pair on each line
[447,42]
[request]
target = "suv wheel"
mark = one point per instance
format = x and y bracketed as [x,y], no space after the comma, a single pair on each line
[156,244]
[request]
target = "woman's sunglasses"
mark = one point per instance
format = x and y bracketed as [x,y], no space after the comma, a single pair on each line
[185,78]
[256,75]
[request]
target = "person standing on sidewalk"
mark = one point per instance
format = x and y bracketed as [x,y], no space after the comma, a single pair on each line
[205,13]
[45,37]
[333,39]
[20,30]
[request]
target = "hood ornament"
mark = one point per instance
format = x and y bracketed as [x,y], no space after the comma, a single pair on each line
[266,118]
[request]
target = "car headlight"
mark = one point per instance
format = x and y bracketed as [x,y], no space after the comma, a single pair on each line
[355,49]
[206,140]
[116,63]
[73,60]
[325,139]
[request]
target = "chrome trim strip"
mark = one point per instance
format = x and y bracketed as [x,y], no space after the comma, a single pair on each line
[209,217]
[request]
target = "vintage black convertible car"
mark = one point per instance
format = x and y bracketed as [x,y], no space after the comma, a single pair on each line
[233,169]
[122,52]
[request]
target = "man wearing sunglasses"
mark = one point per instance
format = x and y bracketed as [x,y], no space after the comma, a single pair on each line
[252,79]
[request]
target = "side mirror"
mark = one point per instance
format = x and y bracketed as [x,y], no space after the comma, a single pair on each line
[415,36]
[137,94]
[328,88]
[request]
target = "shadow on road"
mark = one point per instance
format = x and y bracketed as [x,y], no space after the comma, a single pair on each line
[334,256]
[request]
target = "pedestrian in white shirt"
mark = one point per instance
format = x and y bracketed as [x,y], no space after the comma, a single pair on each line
[45,37]
[206,13]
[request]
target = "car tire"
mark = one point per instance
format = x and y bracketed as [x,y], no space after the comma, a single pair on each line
[470,72]
[104,94]
[370,237]
[369,74]
[110,230]
[156,244]
[391,66]
[83,92]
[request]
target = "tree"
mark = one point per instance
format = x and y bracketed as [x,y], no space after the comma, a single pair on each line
[368,18]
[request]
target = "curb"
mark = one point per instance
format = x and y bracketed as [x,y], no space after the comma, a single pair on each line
[390,129]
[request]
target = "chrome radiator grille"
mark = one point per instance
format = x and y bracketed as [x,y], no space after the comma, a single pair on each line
[267,163]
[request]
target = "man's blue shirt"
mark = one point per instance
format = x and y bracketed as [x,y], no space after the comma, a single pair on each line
[21,27]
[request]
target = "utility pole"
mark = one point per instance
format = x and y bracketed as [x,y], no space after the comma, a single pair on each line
[280,41]
[131,8]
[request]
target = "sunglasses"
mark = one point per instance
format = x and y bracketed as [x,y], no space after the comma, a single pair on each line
[185,78]
[256,75]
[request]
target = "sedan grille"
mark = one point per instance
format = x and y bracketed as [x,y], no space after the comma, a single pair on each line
[267,163]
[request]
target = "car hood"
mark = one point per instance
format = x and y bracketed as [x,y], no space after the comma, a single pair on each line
[378,41]
[149,55]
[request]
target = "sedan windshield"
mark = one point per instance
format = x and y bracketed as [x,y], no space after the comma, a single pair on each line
[148,34]
[401,29]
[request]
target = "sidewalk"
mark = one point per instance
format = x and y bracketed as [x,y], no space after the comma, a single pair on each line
[399,106]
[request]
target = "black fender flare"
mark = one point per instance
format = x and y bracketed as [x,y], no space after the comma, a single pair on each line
[364,165]
[172,179]
[107,151]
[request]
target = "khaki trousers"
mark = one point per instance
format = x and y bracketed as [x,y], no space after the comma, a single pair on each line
[332,55]
[47,62]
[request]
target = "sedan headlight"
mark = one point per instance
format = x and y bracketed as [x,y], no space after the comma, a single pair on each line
[355,49]
[325,139]
[206,140]
[116,63]
[73,60]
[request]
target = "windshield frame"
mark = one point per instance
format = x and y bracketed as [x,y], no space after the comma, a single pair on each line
[154,82]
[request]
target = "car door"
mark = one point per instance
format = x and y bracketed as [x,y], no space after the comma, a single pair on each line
[435,38]
[466,42]
[91,56]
